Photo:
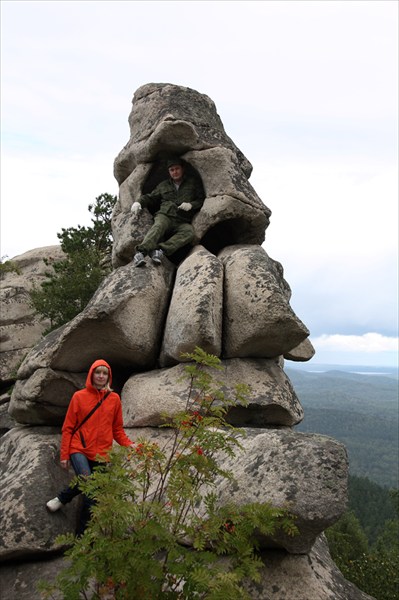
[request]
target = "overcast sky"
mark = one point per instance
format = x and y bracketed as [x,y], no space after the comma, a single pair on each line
[307,91]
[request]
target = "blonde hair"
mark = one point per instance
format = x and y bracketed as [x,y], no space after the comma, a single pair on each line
[97,370]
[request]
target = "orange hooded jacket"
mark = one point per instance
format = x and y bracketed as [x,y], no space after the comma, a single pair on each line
[104,425]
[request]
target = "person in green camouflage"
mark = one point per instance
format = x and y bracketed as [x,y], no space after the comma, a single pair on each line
[176,200]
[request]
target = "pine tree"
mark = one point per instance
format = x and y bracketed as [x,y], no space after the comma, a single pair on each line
[74,280]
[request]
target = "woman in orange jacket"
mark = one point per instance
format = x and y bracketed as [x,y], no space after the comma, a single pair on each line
[93,421]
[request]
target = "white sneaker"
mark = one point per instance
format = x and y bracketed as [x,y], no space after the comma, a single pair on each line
[138,259]
[156,256]
[54,504]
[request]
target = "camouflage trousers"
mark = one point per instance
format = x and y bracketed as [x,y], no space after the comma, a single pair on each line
[180,235]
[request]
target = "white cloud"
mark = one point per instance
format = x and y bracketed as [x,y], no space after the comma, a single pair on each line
[47,193]
[369,349]
[369,342]
[344,210]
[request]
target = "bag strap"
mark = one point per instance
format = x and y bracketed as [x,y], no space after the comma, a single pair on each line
[93,410]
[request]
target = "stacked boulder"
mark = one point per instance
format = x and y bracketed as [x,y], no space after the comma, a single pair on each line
[20,327]
[223,294]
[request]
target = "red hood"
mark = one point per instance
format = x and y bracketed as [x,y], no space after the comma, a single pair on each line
[97,363]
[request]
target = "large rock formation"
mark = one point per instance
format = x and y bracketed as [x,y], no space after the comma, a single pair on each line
[168,119]
[224,294]
[20,326]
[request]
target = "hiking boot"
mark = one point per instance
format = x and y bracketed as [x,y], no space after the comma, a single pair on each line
[138,259]
[54,504]
[156,256]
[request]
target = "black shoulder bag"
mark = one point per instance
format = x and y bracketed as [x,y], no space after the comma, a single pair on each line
[93,410]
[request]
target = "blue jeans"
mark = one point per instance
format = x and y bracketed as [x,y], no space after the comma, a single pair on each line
[82,466]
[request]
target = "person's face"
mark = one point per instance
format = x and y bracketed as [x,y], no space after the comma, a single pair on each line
[100,377]
[176,172]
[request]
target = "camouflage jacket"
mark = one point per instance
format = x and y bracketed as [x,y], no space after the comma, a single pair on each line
[166,198]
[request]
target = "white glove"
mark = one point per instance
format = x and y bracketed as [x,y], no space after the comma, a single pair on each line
[136,208]
[185,206]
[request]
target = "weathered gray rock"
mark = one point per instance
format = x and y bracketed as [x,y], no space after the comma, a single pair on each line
[312,576]
[6,421]
[20,326]
[195,312]
[307,473]
[43,398]
[258,320]
[232,212]
[128,230]
[19,580]
[301,353]
[272,398]
[31,475]
[148,397]
[168,119]
[171,119]
[122,324]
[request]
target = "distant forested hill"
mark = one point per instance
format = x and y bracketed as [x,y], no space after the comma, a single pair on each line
[358,409]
